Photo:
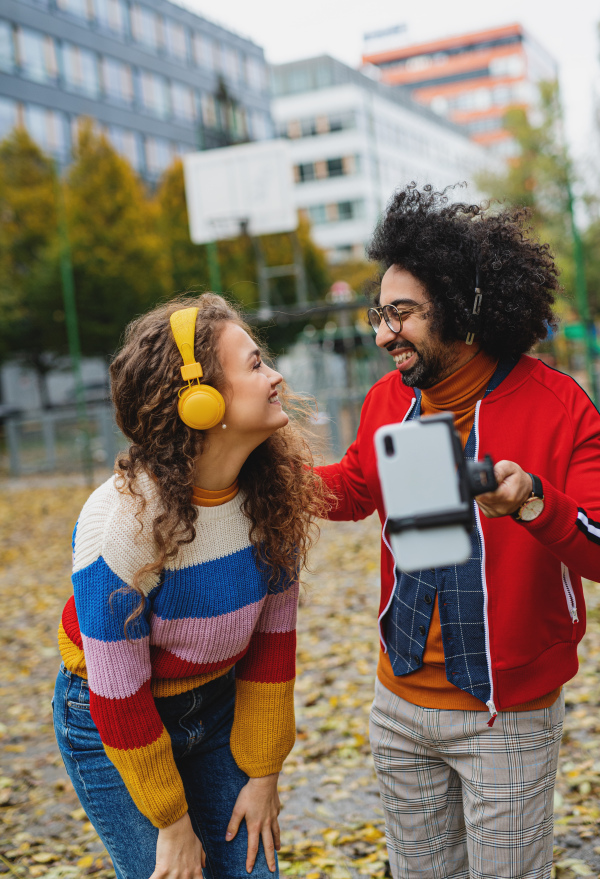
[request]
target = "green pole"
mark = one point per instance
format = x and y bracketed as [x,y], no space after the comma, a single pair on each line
[581,297]
[68,286]
[214,270]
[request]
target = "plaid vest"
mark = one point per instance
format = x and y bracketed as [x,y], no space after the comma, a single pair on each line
[461,601]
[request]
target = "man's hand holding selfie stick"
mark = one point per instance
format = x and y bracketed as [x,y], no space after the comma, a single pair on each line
[514,489]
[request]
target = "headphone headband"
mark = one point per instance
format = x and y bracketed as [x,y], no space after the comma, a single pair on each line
[183,324]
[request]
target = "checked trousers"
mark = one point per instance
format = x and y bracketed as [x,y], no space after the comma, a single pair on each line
[463,800]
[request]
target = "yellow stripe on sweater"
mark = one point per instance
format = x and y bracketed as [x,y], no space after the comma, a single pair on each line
[264,726]
[152,779]
[71,654]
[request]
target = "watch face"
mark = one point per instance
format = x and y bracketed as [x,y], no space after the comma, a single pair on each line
[531,509]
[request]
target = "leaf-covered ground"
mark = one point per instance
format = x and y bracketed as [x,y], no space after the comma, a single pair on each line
[332,821]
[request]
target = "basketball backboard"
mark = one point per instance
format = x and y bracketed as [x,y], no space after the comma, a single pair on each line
[251,183]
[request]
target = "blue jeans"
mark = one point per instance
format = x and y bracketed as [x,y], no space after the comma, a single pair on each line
[199,724]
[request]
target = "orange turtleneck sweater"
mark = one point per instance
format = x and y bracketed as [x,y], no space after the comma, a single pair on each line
[428,685]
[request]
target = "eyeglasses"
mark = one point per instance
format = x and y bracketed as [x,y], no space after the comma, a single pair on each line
[390,314]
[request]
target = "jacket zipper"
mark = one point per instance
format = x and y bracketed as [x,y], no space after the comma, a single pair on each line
[385,540]
[569,594]
[490,703]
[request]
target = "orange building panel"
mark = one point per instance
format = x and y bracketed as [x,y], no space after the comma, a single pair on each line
[460,42]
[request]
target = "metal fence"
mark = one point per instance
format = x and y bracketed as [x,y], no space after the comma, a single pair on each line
[55,440]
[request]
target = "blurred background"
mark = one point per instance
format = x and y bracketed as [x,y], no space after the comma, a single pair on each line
[108,108]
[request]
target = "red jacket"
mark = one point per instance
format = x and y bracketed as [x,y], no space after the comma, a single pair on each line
[544,421]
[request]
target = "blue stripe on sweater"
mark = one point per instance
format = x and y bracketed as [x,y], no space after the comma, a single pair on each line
[101,616]
[210,589]
[205,590]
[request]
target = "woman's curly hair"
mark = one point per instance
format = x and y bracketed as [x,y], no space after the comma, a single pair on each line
[448,246]
[283,496]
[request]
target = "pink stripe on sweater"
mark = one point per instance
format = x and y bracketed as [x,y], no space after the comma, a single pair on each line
[280,611]
[117,669]
[211,639]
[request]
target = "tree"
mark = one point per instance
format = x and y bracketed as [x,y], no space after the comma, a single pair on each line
[118,257]
[31,307]
[188,265]
[538,176]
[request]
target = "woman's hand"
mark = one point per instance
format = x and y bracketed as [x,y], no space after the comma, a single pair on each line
[179,853]
[514,487]
[258,802]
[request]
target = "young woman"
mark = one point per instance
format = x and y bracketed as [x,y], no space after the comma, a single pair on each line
[173,706]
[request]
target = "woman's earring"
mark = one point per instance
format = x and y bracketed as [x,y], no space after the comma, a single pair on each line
[223,425]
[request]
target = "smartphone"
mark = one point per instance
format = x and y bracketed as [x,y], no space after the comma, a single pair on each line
[419,464]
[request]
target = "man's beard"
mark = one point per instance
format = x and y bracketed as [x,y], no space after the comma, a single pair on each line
[434,363]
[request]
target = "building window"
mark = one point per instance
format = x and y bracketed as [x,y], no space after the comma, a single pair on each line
[145,26]
[110,15]
[127,144]
[48,128]
[117,81]
[317,214]
[202,48]
[175,40]
[335,212]
[37,56]
[182,101]
[257,74]
[230,63]
[335,167]
[159,154]
[80,8]
[80,70]
[8,116]
[154,94]
[323,169]
[209,111]
[7,48]
[305,172]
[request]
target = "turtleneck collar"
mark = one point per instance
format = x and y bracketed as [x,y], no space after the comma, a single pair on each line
[461,390]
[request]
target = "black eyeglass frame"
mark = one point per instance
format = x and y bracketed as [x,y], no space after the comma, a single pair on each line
[389,312]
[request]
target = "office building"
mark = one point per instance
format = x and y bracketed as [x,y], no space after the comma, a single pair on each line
[354,141]
[472,78]
[158,79]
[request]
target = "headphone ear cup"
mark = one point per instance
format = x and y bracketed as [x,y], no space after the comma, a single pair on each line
[201,407]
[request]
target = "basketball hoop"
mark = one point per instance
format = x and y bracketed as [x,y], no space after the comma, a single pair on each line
[250,184]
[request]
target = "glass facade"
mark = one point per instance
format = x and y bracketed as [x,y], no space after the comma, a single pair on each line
[145,26]
[181,90]
[117,81]
[128,144]
[36,55]
[175,40]
[111,16]
[154,93]
[8,116]
[80,8]
[7,48]
[80,70]
[182,102]
[48,128]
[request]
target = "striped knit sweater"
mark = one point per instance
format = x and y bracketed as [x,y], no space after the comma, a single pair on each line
[209,610]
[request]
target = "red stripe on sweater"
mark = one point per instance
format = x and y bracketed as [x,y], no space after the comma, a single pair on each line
[71,623]
[127,723]
[271,658]
[166,665]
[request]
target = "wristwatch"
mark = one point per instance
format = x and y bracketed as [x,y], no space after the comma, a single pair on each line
[534,504]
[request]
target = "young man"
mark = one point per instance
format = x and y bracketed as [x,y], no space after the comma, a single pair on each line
[468,711]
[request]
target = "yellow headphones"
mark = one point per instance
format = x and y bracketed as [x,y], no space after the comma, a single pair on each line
[200,406]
